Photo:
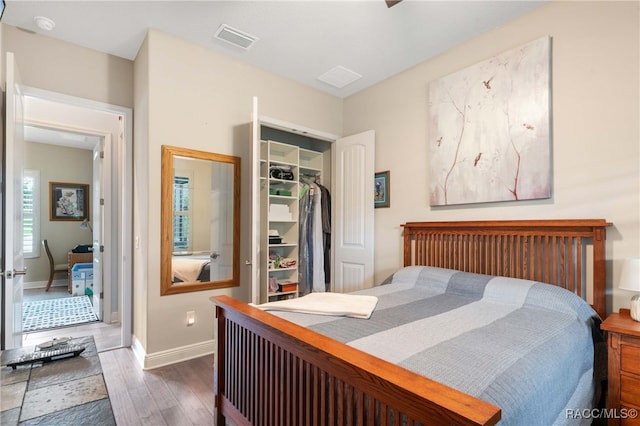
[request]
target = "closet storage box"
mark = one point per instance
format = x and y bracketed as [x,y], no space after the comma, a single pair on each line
[279,212]
[81,279]
[286,287]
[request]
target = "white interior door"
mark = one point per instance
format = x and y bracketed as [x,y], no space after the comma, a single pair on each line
[97,215]
[254,155]
[13,169]
[352,183]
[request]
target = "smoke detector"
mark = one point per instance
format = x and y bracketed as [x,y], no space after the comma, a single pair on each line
[44,23]
[236,37]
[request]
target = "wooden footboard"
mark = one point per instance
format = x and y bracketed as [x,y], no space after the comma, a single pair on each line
[270,371]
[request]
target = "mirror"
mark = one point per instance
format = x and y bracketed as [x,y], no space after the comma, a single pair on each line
[200,222]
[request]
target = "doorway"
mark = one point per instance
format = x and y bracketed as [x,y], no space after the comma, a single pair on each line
[60,225]
[103,132]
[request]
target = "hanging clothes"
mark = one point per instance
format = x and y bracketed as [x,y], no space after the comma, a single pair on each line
[317,239]
[314,222]
[326,234]
[305,220]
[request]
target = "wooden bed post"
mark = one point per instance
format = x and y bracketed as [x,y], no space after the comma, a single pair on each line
[218,366]
[599,270]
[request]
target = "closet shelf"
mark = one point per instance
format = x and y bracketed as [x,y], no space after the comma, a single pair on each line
[282,269]
[313,170]
[282,181]
[278,293]
[282,163]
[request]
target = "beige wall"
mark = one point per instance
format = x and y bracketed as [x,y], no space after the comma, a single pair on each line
[596,136]
[71,165]
[191,97]
[188,96]
[58,66]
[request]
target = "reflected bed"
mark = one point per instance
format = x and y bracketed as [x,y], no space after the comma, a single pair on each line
[190,268]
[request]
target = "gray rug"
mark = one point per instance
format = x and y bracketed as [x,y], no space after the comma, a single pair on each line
[54,313]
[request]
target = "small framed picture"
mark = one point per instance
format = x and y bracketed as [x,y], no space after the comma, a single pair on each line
[68,201]
[381,196]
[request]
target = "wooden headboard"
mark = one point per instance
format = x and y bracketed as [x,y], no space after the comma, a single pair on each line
[551,251]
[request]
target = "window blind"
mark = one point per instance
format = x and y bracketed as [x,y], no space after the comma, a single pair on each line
[181,214]
[30,214]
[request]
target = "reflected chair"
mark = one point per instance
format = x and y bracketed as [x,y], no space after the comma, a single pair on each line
[53,268]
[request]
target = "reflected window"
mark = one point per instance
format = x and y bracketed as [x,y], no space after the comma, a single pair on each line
[30,214]
[181,213]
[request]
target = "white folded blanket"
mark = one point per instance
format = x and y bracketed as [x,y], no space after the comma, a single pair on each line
[187,269]
[337,304]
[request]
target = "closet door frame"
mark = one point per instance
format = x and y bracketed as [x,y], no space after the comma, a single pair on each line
[258,241]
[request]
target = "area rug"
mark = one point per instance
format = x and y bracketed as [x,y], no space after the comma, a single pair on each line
[53,313]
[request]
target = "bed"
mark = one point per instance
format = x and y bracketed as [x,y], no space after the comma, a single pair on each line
[190,268]
[270,370]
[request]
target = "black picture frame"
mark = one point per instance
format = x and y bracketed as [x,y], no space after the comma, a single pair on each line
[382,194]
[68,201]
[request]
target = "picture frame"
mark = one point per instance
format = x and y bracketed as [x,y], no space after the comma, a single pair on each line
[68,201]
[382,194]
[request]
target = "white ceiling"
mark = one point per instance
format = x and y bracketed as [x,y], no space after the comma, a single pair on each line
[60,137]
[300,40]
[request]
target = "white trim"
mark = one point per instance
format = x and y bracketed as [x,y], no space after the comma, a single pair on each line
[171,356]
[123,144]
[275,123]
[138,351]
[75,101]
[43,284]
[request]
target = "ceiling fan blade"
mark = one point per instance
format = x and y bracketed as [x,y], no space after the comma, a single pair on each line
[392,2]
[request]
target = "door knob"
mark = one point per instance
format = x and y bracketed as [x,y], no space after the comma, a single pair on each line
[11,274]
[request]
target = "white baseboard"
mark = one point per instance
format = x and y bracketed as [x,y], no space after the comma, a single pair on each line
[43,284]
[170,356]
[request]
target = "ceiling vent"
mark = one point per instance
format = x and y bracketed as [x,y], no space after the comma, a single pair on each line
[339,77]
[236,37]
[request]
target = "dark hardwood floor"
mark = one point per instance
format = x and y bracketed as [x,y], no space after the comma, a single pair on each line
[178,394]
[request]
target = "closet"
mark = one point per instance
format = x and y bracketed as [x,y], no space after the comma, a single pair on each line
[290,162]
[290,179]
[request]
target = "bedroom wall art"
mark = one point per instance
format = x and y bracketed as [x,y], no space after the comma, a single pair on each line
[68,201]
[382,195]
[489,135]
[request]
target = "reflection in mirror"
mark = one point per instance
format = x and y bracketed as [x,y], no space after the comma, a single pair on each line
[200,220]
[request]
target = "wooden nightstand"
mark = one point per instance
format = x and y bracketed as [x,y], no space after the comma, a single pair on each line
[623,342]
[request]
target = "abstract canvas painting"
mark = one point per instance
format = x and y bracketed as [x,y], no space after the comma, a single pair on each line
[489,129]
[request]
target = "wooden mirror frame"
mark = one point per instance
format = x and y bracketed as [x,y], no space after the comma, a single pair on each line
[167,286]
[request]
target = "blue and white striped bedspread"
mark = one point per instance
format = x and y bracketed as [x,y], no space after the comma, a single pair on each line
[524,346]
